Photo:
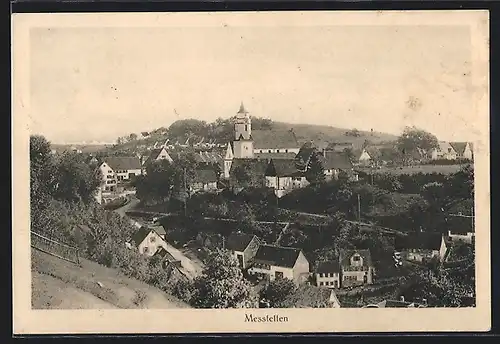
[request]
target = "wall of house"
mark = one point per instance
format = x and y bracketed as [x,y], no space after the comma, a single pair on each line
[271,271]
[125,174]
[250,251]
[108,177]
[277,150]
[227,167]
[357,277]
[329,280]
[467,152]
[456,237]
[151,243]
[364,156]
[420,255]
[301,269]
[164,155]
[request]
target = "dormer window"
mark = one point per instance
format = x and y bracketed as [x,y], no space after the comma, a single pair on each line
[356,258]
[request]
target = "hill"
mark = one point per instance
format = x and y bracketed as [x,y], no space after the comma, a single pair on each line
[222,131]
[58,284]
[85,148]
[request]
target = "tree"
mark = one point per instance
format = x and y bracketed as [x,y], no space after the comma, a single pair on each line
[315,174]
[132,137]
[221,284]
[277,291]
[243,175]
[413,138]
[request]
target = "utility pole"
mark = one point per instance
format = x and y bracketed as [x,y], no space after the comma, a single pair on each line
[185,192]
[359,209]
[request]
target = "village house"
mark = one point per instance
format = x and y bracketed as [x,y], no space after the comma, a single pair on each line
[205,179]
[444,151]
[362,157]
[117,169]
[463,150]
[335,163]
[167,258]
[461,228]
[275,262]
[149,239]
[327,274]
[243,246]
[283,176]
[356,267]
[309,296]
[421,247]
[157,154]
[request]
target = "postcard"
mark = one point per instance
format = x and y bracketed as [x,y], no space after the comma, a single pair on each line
[245,172]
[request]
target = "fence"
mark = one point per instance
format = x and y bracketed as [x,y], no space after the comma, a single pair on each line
[55,248]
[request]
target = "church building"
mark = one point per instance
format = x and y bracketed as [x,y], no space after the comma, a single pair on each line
[258,144]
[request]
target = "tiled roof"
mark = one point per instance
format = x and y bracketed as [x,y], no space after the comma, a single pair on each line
[158,229]
[205,175]
[345,256]
[153,155]
[140,235]
[239,241]
[209,157]
[123,162]
[459,147]
[282,168]
[421,240]
[274,139]
[328,267]
[308,296]
[336,160]
[164,254]
[305,152]
[459,224]
[277,255]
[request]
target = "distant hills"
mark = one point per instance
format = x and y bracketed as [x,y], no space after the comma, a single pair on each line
[221,131]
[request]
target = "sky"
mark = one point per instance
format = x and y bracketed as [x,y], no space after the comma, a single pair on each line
[95,84]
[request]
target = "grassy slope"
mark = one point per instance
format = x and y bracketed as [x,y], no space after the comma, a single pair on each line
[57,284]
[444,169]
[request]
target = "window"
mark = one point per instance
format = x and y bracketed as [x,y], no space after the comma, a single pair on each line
[277,151]
[286,150]
[261,150]
[146,249]
[278,275]
[269,151]
[355,258]
[320,283]
[109,171]
[152,238]
[246,127]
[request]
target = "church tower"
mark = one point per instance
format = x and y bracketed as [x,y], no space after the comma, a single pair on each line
[243,143]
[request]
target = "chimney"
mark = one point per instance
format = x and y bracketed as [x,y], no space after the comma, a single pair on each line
[402,298]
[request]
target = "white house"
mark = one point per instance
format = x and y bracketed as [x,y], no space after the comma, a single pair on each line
[158,154]
[243,246]
[356,267]
[463,150]
[444,151]
[117,169]
[149,239]
[274,262]
[421,247]
[364,156]
[327,274]
[283,176]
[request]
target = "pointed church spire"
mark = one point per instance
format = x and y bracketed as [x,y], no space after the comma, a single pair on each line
[242,109]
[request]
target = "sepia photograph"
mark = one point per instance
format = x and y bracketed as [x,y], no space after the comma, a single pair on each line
[261,167]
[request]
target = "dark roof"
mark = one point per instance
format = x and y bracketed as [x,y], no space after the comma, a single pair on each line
[309,296]
[205,175]
[336,160]
[123,162]
[239,241]
[328,267]
[458,147]
[143,232]
[282,168]
[270,156]
[305,152]
[277,255]
[459,224]
[420,240]
[257,169]
[140,235]
[345,256]
[153,155]
[274,139]
[164,254]
[209,157]
[242,109]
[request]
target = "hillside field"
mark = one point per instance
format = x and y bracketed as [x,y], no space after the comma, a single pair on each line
[58,284]
[444,169]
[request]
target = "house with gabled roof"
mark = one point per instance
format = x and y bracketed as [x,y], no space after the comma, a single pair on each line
[116,169]
[444,151]
[205,179]
[243,246]
[461,228]
[356,267]
[149,239]
[275,262]
[157,154]
[335,163]
[283,176]
[327,274]
[309,296]
[463,150]
[421,246]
